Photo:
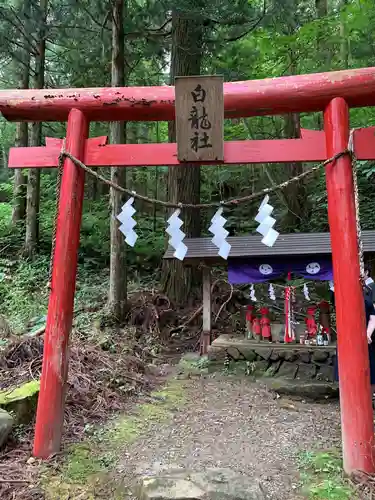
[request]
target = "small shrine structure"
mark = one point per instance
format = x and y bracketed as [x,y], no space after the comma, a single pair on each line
[308,255]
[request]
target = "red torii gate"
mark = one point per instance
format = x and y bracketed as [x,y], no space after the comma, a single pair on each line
[334,93]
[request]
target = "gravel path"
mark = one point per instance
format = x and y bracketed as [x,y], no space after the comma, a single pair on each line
[234,423]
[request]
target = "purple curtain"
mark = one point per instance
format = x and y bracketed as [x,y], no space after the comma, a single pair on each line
[243,271]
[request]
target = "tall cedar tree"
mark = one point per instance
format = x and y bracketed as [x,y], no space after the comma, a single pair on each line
[118,284]
[184,181]
[33,184]
[22,70]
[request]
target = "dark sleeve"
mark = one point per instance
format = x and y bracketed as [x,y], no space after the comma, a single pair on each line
[373,292]
[333,298]
[370,310]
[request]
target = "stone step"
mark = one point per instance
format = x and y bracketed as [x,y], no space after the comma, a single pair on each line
[311,390]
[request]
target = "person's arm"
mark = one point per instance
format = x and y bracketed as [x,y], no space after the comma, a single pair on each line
[370,328]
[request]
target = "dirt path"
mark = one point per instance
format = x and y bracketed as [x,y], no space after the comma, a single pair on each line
[234,423]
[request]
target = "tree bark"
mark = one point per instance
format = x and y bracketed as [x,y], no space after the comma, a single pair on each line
[118,272]
[33,184]
[322,48]
[323,51]
[184,181]
[344,41]
[295,192]
[23,77]
[19,187]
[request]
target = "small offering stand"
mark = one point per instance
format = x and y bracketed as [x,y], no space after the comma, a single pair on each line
[289,282]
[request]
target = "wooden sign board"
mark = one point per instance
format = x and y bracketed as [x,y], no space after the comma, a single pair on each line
[199,118]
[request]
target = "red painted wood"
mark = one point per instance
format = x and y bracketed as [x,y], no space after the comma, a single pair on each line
[311,148]
[355,395]
[300,93]
[364,143]
[50,413]
[93,141]
[236,152]
[48,155]
[316,135]
[53,141]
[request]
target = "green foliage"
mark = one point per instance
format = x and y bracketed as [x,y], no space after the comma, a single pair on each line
[322,476]
[86,466]
[22,392]
[5,218]
[23,294]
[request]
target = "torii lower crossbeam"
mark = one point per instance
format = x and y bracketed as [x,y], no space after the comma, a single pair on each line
[310,148]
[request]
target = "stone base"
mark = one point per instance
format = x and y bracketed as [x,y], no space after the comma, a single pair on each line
[290,361]
[21,401]
[310,390]
[211,484]
[6,424]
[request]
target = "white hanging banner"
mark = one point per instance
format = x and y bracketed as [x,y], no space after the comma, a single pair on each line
[252,293]
[220,234]
[271,292]
[176,235]
[306,292]
[266,223]
[127,222]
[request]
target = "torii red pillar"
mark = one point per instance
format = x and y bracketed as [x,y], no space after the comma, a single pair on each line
[355,397]
[50,413]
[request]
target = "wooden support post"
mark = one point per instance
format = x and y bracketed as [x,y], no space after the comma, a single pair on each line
[50,413]
[206,331]
[355,396]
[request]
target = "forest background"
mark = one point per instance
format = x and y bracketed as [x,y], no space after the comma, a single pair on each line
[67,43]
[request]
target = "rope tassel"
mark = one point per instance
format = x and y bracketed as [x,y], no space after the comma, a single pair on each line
[357,212]
[54,228]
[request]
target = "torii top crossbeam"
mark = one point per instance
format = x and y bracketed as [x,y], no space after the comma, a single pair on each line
[302,93]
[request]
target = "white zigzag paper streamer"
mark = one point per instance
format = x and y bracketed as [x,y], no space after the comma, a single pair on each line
[252,294]
[127,222]
[271,292]
[176,235]
[306,292]
[266,223]
[220,234]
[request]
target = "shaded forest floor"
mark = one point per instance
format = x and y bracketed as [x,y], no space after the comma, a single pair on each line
[133,404]
[110,366]
[230,422]
[196,419]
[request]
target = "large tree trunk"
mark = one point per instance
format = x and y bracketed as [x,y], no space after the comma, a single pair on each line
[294,193]
[184,181]
[344,41]
[118,275]
[33,185]
[23,77]
[19,187]
[322,47]
[323,51]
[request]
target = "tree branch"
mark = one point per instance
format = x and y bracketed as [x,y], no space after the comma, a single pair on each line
[95,21]
[20,27]
[72,27]
[243,21]
[151,32]
[18,44]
